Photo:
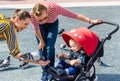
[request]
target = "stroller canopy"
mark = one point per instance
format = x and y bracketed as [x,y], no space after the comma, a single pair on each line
[85,37]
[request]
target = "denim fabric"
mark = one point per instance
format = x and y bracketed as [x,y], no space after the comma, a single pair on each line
[70,70]
[49,33]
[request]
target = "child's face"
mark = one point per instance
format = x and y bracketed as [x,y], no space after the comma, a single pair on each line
[75,46]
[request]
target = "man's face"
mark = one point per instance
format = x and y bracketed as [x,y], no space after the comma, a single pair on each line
[75,46]
[22,24]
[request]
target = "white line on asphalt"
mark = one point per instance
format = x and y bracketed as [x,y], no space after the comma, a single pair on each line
[78,4]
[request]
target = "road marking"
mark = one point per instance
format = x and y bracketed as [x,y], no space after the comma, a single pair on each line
[77,4]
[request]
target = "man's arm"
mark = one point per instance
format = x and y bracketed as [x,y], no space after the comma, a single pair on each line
[12,41]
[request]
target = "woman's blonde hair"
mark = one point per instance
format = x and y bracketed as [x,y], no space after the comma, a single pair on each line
[38,8]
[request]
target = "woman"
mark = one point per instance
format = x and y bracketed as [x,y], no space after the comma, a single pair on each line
[44,16]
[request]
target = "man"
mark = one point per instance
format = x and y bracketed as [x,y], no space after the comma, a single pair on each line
[8,29]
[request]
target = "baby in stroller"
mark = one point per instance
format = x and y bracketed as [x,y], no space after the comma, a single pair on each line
[83,43]
[86,48]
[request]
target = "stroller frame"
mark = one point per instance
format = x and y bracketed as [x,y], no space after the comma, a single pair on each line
[84,74]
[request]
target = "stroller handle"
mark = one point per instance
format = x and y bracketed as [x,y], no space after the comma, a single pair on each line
[110,23]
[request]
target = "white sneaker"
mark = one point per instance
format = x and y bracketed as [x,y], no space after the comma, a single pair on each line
[4,64]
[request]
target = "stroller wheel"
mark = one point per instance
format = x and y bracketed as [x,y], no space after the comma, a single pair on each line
[91,72]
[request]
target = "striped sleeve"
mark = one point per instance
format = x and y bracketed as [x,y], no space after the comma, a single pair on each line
[3,26]
[34,22]
[12,40]
[65,12]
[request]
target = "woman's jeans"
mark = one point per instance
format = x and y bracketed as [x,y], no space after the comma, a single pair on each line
[49,33]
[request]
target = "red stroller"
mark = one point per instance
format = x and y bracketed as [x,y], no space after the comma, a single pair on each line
[88,71]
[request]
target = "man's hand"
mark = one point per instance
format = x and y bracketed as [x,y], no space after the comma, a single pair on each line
[95,21]
[19,55]
[43,63]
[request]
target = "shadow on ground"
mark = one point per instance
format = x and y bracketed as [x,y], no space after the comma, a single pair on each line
[108,77]
[17,68]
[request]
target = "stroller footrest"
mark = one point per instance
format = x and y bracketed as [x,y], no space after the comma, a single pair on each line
[53,72]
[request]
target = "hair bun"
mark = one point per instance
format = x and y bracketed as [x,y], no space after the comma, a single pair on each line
[17,10]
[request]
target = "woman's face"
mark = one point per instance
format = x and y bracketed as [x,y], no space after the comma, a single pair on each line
[75,46]
[22,24]
[43,18]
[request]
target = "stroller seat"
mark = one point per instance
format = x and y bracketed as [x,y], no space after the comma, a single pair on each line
[87,72]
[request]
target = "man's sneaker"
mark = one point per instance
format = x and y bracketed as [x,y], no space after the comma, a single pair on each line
[4,64]
[24,65]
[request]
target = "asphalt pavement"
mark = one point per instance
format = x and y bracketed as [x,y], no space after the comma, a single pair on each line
[27,43]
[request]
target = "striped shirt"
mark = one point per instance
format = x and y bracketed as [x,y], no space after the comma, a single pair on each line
[54,11]
[8,29]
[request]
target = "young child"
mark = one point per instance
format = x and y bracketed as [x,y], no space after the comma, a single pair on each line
[83,43]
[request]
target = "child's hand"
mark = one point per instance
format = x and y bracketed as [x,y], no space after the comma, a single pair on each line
[78,61]
[72,62]
[62,55]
